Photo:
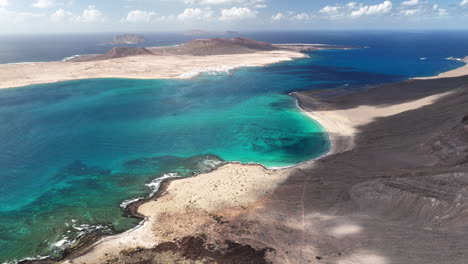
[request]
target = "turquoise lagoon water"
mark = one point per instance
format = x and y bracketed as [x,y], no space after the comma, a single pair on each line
[72,152]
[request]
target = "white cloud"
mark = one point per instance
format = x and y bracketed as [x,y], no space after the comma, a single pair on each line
[290,15]
[424,10]
[464,3]
[278,17]
[138,16]
[259,6]
[252,3]
[410,3]
[60,15]
[301,16]
[4,3]
[237,13]
[90,15]
[411,12]
[337,11]
[331,10]
[196,14]
[43,3]
[382,8]
[13,17]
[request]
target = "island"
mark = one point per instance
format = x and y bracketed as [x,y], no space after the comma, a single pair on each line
[126,39]
[183,61]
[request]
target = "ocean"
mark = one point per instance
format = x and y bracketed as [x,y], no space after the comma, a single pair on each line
[73,153]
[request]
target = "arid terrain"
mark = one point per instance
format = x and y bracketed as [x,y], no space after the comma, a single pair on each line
[392,190]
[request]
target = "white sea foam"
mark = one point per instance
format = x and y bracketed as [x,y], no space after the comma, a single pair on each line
[423,58]
[453,58]
[62,242]
[71,57]
[226,69]
[156,183]
[27,259]
[125,203]
[211,163]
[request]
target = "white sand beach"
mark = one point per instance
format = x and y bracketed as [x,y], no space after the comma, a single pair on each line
[136,67]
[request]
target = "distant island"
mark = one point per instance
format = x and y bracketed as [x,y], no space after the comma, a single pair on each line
[198,32]
[127,39]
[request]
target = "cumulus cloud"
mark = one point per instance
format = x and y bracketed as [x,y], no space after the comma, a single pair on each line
[4,3]
[43,3]
[423,9]
[227,2]
[90,15]
[14,17]
[196,14]
[139,16]
[290,15]
[60,15]
[382,8]
[237,13]
[464,3]
[332,11]
[278,17]
[301,17]
[410,3]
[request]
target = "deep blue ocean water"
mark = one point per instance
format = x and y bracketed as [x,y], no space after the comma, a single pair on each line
[73,151]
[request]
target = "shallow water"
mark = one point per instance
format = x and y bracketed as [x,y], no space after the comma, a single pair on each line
[72,152]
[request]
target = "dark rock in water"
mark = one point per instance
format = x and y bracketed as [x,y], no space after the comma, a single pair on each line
[78,168]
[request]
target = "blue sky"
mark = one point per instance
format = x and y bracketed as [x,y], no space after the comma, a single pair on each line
[23,16]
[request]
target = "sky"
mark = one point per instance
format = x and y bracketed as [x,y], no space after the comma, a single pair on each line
[37,16]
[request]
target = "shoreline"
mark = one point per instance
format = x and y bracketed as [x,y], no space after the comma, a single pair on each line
[341,139]
[329,123]
[326,118]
